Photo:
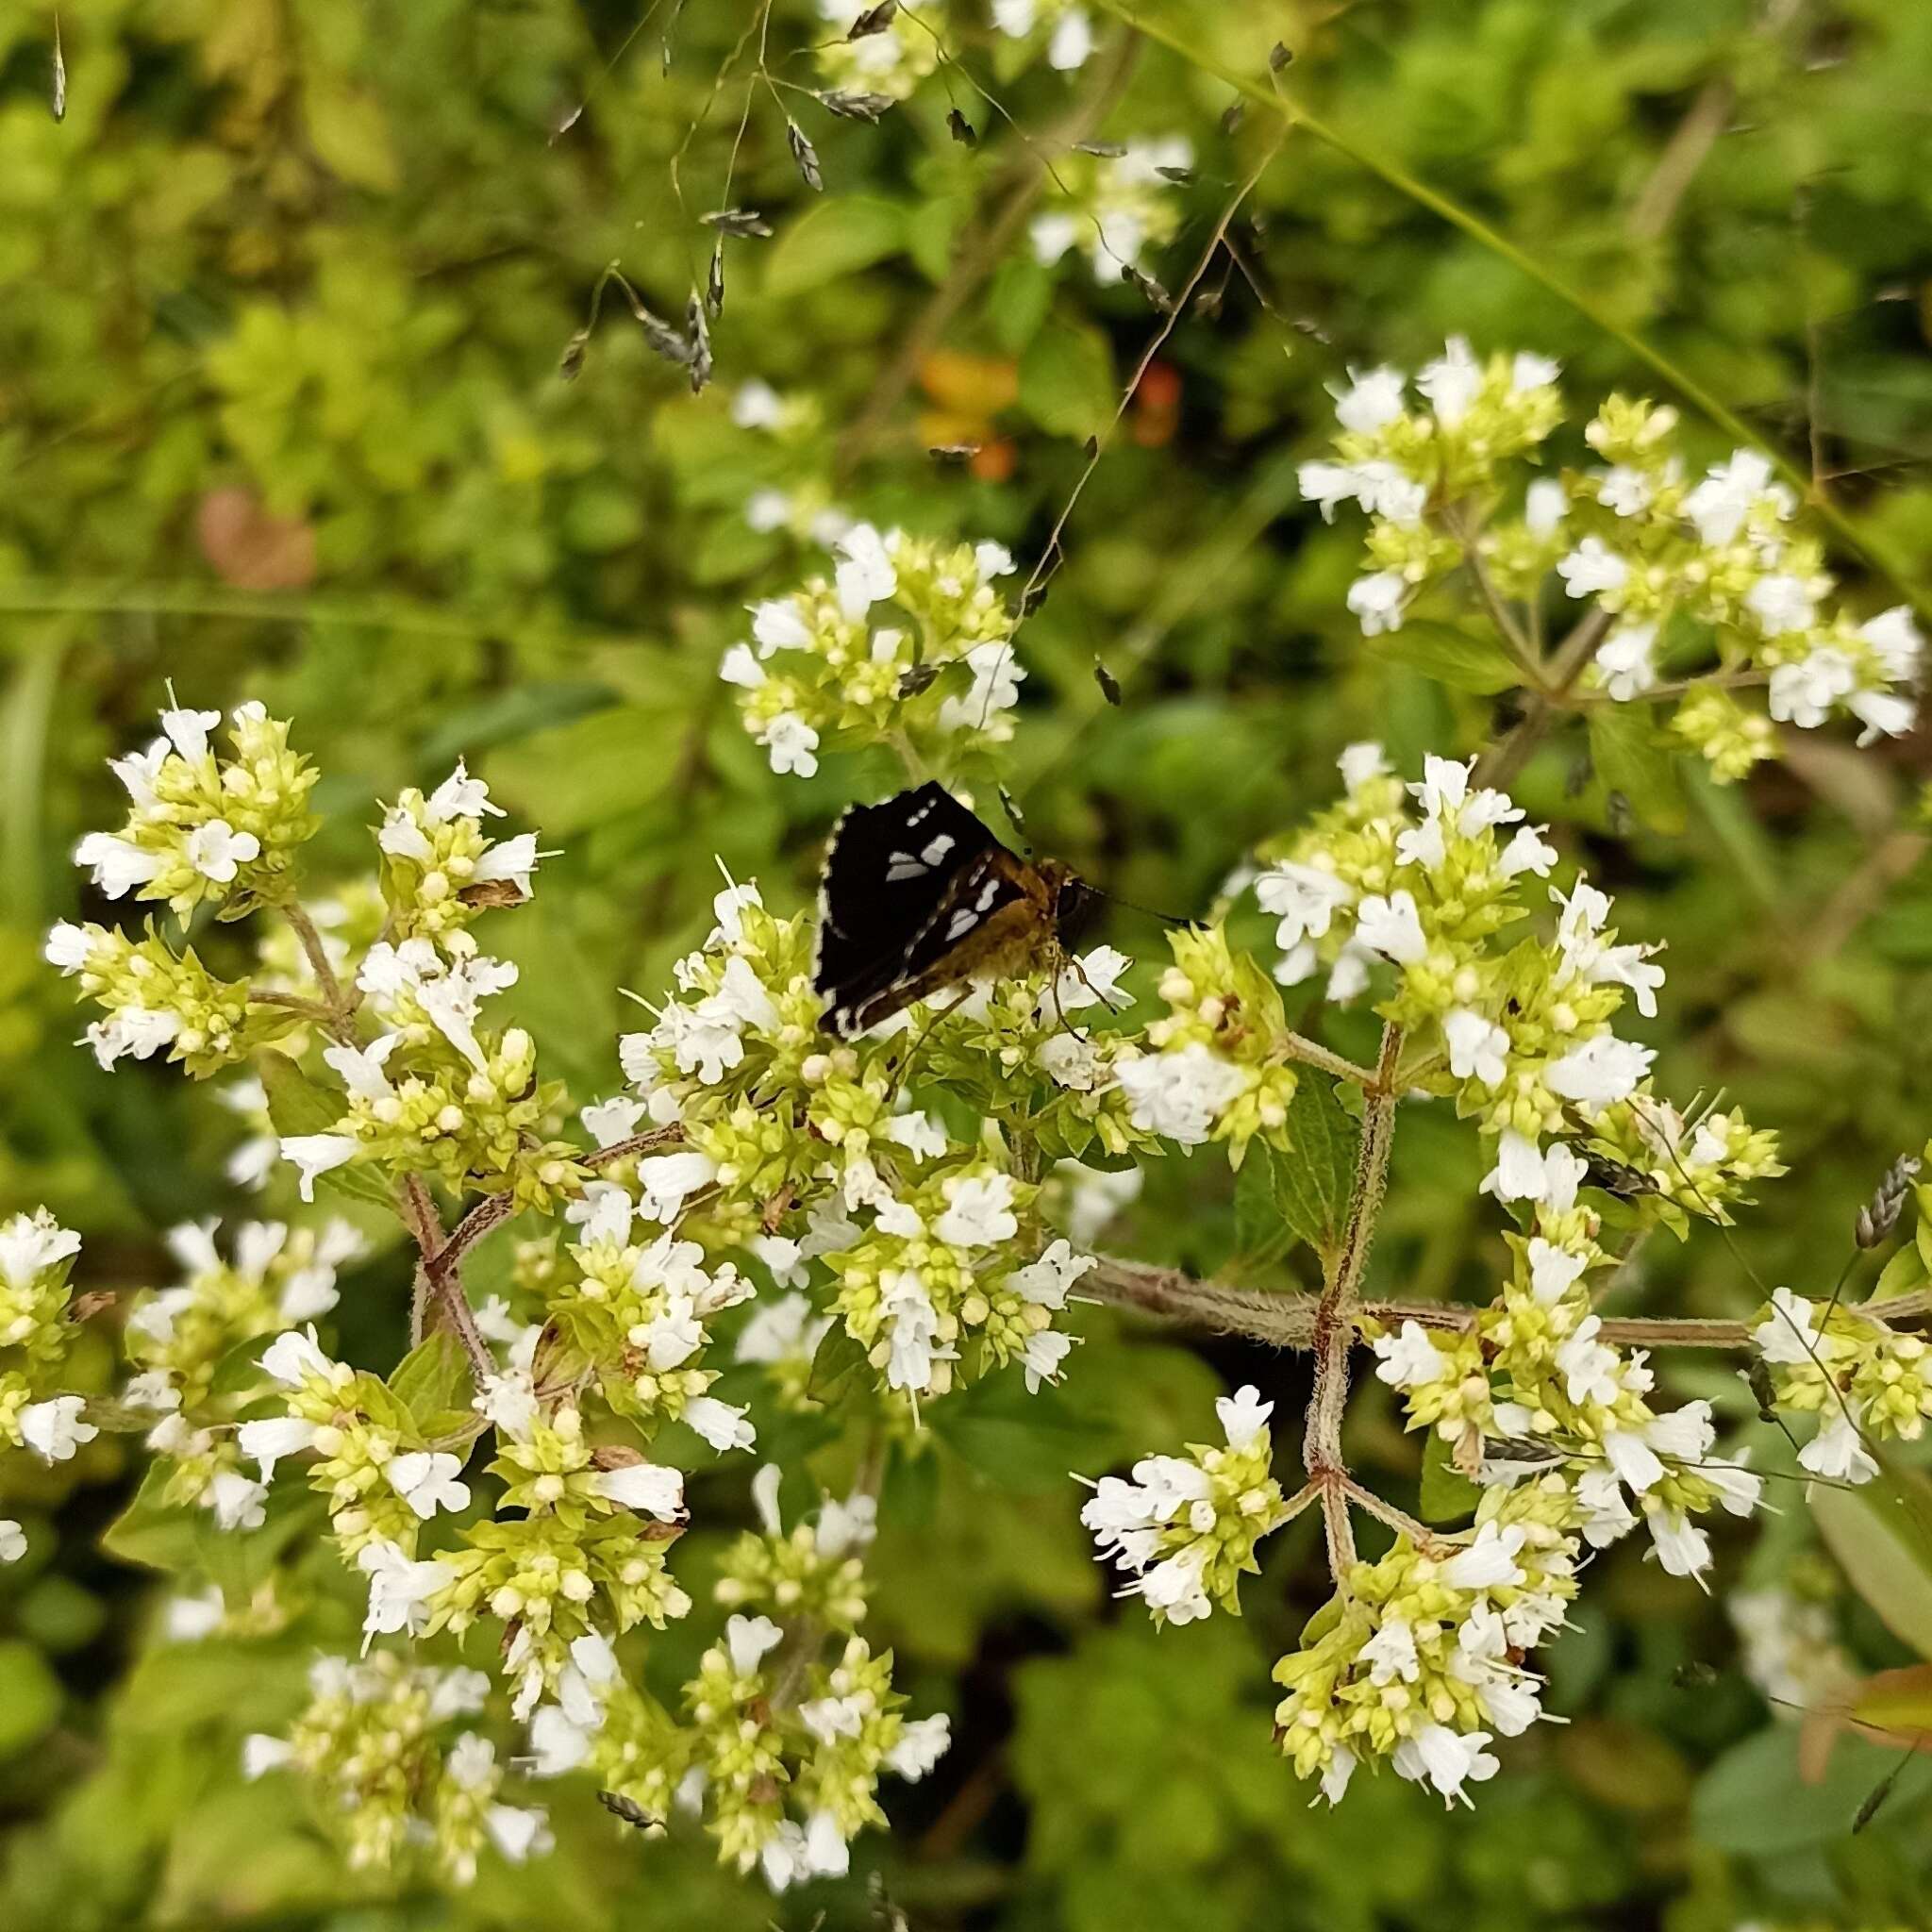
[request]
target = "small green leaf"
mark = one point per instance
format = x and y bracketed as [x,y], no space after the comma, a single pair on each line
[834,239]
[840,1357]
[29,1697]
[432,1380]
[1881,1533]
[1066,380]
[1313,1178]
[1260,1234]
[1448,1495]
[152,1534]
[1902,1274]
[1632,760]
[1463,660]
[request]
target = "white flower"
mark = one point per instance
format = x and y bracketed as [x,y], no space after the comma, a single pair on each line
[1624,660]
[1179,1095]
[556,1744]
[1174,1588]
[1489,1562]
[1443,1759]
[1682,1548]
[791,743]
[1094,979]
[1629,1452]
[1071,41]
[318,1154]
[610,1121]
[1451,382]
[919,1135]
[261,1754]
[978,1211]
[1588,1367]
[54,1429]
[217,851]
[12,1541]
[1599,1072]
[1543,507]
[1625,491]
[1719,504]
[459,796]
[1359,763]
[666,1180]
[1378,601]
[1392,927]
[1591,568]
[292,1358]
[68,946]
[32,1243]
[1552,1271]
[117,866]
[720,1426]
[1895,639]
[426,1481]
[399,1589]
[1040,1356]
[1882,713]
[1046,1280]
[1838,1452]
[1782,603]
[1408,1358]
[1787,1335]
[921,1743]
[1370,401]
[188,731]
[236,1501]
[747,1639]
[646,1486]
[1336,1773]
[1390,1653]
[1519,1172]
[518,1832]
[865,574]
[1479,1048]
[1606,1513]
[1529,371]
[267,1441]
[512,860]
[1803,694]
[1306,897]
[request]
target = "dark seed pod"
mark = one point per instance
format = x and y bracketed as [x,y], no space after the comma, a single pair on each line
[1880,1215]
[805,157]
[850,106]
[1109,684]
[961,130]
[875,20]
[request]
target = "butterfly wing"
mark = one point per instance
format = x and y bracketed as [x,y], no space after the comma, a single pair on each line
[904,883]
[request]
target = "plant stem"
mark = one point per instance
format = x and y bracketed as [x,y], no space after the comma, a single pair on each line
[340,1008]
[1311,1053]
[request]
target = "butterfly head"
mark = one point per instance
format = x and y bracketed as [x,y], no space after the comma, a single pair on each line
[1073,903]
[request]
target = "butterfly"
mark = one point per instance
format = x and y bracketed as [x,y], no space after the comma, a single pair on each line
[918,895]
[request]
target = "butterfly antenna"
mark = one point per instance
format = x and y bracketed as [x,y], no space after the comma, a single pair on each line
[1147,911]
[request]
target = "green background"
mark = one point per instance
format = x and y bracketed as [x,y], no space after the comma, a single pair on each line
[282,303]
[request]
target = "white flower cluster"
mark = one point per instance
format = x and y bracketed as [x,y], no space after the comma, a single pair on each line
[1405,469]
[910,638]
[1115,206]
[1185,1527]
[1069,28]
[36,1337]
[1864,1380]
[1533,1378]
[891,61]
[1424,877]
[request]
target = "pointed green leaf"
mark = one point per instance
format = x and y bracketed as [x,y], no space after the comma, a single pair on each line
[1314,1176]
[1633,762]
[1260,1234]
[433,1380]
[297,1104]
[1463,660]
[837,1359]
[1447,1495]
[1881,1533]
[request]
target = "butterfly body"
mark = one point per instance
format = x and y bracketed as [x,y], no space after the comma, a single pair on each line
[919,895]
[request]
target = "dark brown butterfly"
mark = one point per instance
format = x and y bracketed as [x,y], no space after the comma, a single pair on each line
[918,895]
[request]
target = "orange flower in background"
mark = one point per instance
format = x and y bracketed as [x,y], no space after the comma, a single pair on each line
[967,392]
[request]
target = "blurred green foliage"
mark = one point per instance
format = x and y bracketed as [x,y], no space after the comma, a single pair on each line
[281,306]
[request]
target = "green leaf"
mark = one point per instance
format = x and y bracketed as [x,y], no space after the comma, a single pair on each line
[1756,1801]
[1463,660]
[1447,1495]
[834,239]
[1632,760]
[152,1534]
[1260,1234]
[350,132]
[840,1357]
[592,770]
[1902,1274]
[1313,1178]
[432,1381]
[29,1697]
[1066,380]
[1881,1534]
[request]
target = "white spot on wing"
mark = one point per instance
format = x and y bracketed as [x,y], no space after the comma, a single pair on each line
[902,865]
[961,923]
[937,850]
